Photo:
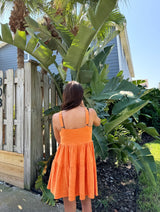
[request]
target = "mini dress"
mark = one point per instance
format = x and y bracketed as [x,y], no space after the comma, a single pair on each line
[73,172]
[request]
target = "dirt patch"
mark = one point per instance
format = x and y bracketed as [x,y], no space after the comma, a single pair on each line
[117,186]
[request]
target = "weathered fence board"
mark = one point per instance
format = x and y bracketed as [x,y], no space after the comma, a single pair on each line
[53,103]
[1,109]
[9,110]
[46,118]
[19,111]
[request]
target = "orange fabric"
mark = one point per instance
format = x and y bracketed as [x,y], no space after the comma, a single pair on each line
[73,171]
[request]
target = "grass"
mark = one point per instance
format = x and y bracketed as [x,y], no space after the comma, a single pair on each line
[149,198]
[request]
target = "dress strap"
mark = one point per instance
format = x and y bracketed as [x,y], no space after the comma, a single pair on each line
[61,119]
[87,116]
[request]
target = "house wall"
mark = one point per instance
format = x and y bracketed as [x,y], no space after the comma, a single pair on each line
[117,60]
[123,66]
[8,57]
[112,59]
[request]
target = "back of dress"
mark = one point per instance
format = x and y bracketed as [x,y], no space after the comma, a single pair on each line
[73,171]
[77,135]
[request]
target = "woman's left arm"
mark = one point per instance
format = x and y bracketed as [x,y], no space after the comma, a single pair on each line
[55,130]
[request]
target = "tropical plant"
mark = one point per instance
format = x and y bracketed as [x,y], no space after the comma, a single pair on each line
[150,114]
[44,52]
[41,184]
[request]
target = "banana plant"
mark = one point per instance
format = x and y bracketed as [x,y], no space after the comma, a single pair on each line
[42,46]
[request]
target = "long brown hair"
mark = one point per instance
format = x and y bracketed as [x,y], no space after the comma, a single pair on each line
[72,95]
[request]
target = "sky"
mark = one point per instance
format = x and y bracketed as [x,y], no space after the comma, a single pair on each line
[143,28]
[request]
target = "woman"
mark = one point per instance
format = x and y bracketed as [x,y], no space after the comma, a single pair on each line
[73,171]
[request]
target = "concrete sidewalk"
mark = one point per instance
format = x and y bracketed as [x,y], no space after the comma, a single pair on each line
[13,199]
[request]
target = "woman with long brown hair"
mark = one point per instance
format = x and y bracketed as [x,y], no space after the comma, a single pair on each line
[73,171]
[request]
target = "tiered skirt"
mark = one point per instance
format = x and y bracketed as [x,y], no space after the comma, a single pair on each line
[73,172]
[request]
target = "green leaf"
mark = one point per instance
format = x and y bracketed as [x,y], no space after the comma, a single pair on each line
[31,45]
[44,55]
[100,59]
[6,34]
[103,10]
[65,34]
[141,158]
[20,39]
[76,52]
[52,110]
[85,76]
[81,42]
[99,142]
[96,84]
[126,113]
[62,73]
[149,130]
[104,73]
[125,102]
[45,35]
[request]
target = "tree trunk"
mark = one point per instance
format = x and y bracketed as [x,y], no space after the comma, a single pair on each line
[20,58]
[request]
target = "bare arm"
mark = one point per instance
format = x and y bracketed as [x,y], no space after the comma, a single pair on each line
[96,119]
[55,130]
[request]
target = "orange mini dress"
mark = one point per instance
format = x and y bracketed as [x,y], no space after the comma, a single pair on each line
[73,172]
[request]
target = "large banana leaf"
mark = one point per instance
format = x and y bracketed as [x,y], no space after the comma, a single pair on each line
[117,89]
[87,72]
[100,58]
[33,47]
[86,34]
[76,52]
[149,130]
[99,142]
[124,114]
[142,159]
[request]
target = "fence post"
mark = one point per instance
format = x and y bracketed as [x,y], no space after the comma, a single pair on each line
[46,119]
[33,147]
[1,109]
[53,103]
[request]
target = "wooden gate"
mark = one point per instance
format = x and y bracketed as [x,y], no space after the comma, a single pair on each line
[25,134]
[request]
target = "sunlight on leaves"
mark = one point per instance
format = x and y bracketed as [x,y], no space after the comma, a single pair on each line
[20,207]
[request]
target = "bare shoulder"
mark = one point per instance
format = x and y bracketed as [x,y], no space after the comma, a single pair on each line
[55,117]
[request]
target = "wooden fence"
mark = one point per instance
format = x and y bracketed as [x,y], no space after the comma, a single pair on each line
[25,134]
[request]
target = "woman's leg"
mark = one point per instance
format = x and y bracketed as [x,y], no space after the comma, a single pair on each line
[69,206]
[86,205]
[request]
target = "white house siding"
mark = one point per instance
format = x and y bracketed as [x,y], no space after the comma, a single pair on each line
[122,60]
